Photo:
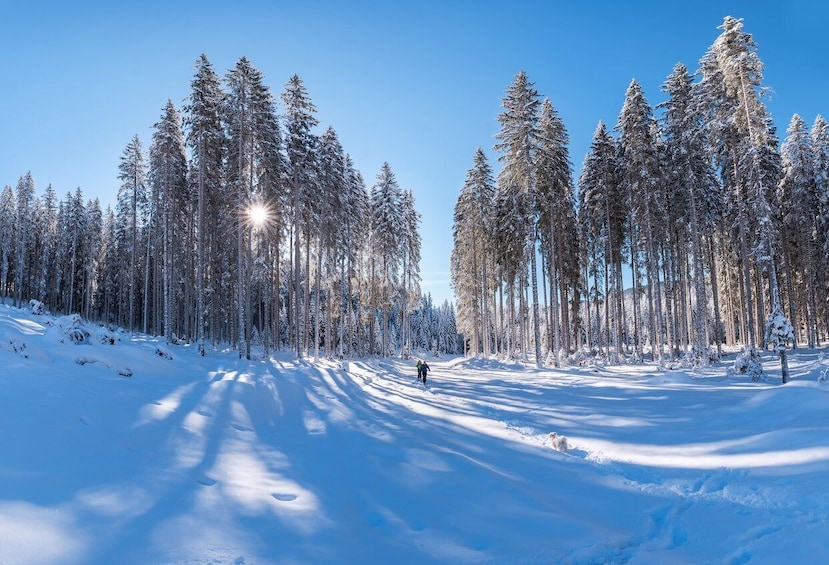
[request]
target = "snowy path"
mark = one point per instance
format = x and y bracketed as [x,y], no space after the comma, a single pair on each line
[214,459]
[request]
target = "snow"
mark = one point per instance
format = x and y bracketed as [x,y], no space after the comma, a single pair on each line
[216,459]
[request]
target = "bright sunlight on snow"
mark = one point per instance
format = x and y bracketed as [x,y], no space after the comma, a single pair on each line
[214,459]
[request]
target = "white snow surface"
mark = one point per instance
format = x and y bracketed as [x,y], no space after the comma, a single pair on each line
[220,460]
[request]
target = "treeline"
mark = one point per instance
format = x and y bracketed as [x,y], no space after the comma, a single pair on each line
[238,226]
[719,228]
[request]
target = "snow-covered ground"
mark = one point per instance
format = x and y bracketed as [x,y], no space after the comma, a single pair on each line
[221,460]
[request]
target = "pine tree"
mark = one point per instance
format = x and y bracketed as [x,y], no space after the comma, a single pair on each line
[167,178]
[410,252]
[472,254]
[385,244]
[641,176]
[25,201]
[205,138]
[730,94]
[7,239]
[301,145]
[556,212]
[695,192]
[797,201]
[517,142]
[603,227]
[820,151]
[132,198]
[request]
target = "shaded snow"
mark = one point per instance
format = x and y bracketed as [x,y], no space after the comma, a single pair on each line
[194,460]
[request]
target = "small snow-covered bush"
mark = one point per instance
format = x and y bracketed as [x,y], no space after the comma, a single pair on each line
[108,337]
[37,307]
[748,363]
[163,353]
[74,329]
[557,442]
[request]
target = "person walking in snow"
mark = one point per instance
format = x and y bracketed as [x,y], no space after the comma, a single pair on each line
[424,368]
[419,365]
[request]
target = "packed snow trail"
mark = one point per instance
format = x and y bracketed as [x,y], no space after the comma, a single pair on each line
[215,459]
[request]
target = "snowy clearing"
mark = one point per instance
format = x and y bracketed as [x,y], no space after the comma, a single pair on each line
[216,459]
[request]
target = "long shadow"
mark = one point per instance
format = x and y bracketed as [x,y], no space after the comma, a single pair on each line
[173,487]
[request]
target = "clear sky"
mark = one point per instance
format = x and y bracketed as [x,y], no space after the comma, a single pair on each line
[417,84]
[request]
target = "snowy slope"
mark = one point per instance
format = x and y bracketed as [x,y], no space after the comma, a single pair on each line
[197,460]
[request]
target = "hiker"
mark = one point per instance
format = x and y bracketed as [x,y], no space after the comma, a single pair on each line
[419,365]
[424,367]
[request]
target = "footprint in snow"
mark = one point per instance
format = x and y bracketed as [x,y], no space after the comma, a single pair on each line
[206,481]
[284,497]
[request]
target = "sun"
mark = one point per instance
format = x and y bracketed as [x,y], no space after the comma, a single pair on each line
[258,215]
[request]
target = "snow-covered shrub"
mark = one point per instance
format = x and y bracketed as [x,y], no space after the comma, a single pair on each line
[779,332]
[108,337]
[163,353]
[579,358]
[37,307]
[557,442]
[748,363]
[73,328]
[823,376]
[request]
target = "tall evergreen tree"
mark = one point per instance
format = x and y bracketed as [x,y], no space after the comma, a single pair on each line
[641,177]
[696,192]
[132,198]
[167,178]
[517,143]
[25,207]
[556,212]
[385,242]
[301,144]
[205,138]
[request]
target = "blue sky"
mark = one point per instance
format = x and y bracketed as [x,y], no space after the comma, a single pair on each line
[417,84]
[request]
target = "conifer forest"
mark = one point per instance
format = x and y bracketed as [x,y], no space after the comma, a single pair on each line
[690,225]
[238,226]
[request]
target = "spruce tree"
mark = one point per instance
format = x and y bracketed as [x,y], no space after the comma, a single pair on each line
[205,138]
[517,143]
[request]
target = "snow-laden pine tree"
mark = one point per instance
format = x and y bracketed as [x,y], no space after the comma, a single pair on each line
[471,262]
[8,215]
[46,234]
[132,199]
[355,229]
[602,220]
[167,177]
[254,170]
[92,242]
[301,145]
[205,137]
[329,237]
[107,272]
[386,235]
[642,182]
[797,201]
[557,223]
[517,145]
[729,92]
[694,195]
[410,253]
[820,153]
[23,214]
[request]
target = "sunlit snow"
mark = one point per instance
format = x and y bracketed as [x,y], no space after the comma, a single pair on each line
[215,459]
